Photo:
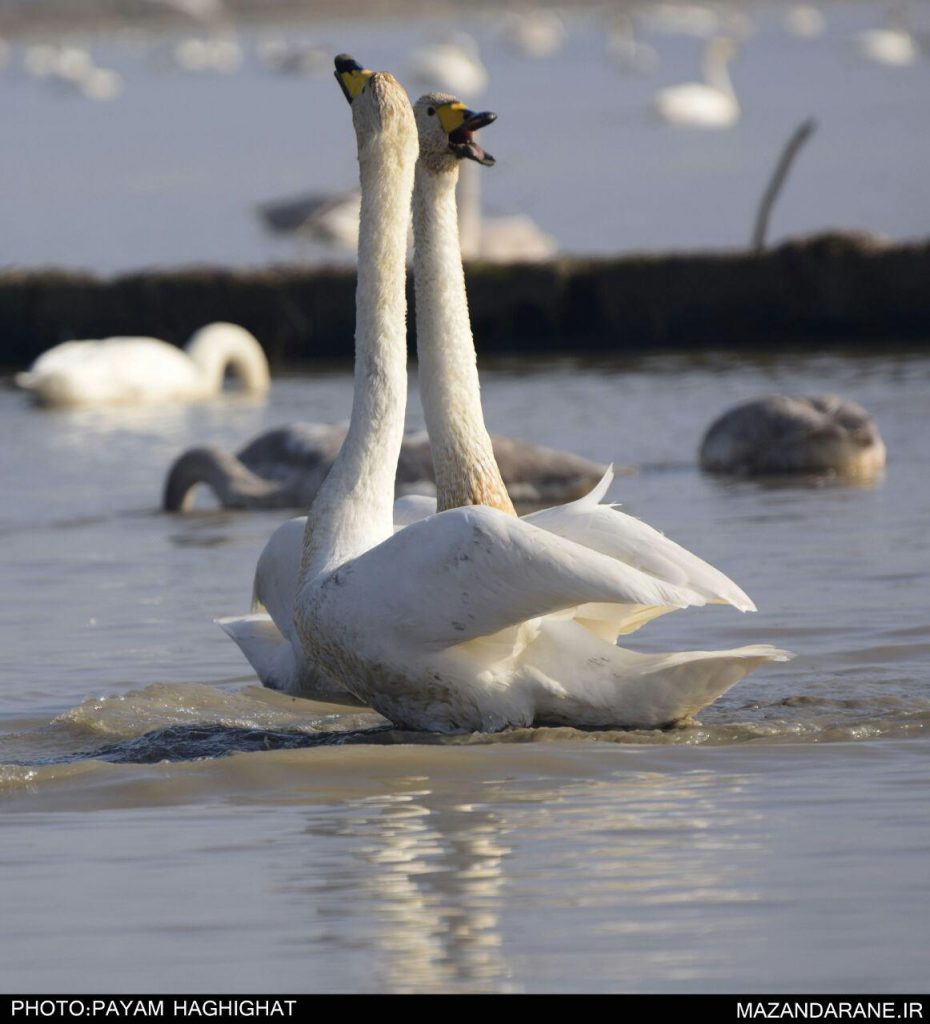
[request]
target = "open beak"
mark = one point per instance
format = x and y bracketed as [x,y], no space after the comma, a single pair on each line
[351,76]
[460,124]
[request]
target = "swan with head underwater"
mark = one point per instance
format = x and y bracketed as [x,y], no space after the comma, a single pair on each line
[471,618]
[146,370]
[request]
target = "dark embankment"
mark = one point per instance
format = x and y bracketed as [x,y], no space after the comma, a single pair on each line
[827,291]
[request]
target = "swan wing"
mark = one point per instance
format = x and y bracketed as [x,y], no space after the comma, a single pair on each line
[116,368]
[274,586]
[606,529]
[279,663]
[471,572]
[579,679]
[265,649]
[411,508]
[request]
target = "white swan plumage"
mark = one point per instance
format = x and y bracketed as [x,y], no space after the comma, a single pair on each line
[708,104]
[805,21]
[624,50]
[454,64]
[472,618]
[688,19]
[146,370]
[533,32]
[892,46]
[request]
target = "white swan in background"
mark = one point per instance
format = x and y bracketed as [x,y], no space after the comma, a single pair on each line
[491,620]
[708,104]
[287,57]
[805,21]
[498,238]
[220,53]
[533,32]
[215,48]
[624,50]
[779,434]
[330,218]
[686,19]
[72,67]
[893,46]
[454,65]
[141,370]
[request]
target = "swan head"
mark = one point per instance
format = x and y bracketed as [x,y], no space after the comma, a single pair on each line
[379,102]
[446,129]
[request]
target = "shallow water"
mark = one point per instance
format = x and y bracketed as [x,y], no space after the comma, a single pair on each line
[167,824]
[171,171]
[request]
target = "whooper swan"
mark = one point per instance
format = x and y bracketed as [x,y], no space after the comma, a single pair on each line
[469,618]
[146,370]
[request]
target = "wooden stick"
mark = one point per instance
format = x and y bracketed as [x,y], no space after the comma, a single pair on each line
[801,134]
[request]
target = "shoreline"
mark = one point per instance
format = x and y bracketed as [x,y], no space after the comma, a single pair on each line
[827,291]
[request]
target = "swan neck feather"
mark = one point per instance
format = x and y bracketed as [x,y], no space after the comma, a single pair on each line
[221,346]
[352,510]
[716,73]
[463,459]
[234,485]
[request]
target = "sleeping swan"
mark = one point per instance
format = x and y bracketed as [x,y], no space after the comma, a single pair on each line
[794,434]
[142,370]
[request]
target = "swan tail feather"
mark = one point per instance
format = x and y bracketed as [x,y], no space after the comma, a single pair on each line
[582,680]
[265,649]
[278,665]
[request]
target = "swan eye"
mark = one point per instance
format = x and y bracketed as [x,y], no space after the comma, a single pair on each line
[431,111]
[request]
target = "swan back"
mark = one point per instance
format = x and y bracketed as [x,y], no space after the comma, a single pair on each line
[708,104]
[112,370]
[221,346]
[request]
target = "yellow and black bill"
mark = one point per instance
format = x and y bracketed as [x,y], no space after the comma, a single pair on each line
[460,124]
[351,76]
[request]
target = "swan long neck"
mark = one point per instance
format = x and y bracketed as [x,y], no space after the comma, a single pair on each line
[234,485]
[352,511]
[218,347]
[463,459]
[469,209]
[716,72]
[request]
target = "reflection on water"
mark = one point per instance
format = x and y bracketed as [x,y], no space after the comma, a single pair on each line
[432,877]
[499,868]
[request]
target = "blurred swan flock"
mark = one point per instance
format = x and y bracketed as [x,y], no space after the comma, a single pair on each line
[651,40]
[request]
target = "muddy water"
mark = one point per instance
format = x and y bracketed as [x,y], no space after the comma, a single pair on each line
[167,824]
